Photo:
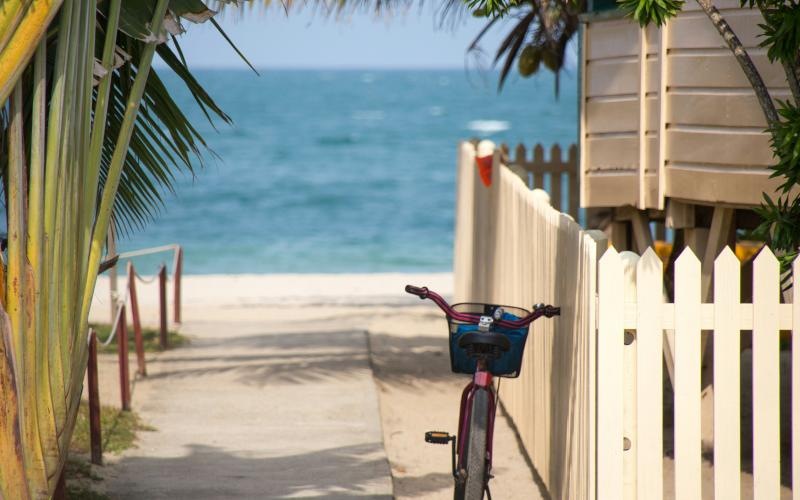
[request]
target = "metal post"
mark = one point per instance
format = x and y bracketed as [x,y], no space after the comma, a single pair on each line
[60,492]
[162,296]
[137,324]
[111,247]
[95,436]
[177,273]
[122,350]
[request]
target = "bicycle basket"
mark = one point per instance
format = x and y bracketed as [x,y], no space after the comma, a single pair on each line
[509,363]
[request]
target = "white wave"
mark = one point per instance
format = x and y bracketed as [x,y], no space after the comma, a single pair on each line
[488,126]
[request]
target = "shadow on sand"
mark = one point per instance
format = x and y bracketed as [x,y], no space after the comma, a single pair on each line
[208,472]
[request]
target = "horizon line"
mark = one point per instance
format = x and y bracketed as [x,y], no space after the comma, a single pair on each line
[161,65]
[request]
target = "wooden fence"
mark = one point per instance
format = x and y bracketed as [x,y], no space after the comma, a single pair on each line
[558,173]
[509,243]
[633,323]
[589,405]
[119,334]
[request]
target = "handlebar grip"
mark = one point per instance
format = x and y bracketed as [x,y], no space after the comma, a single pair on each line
[421,292]
[551,311]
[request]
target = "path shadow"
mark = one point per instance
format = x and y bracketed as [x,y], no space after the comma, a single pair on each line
[411,360]
[270,358]
[419,486]
[212,473]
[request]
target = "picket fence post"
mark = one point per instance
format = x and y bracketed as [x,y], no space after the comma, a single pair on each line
[727,372]
[649,380]
[688,445]
[766,377]
[610,341]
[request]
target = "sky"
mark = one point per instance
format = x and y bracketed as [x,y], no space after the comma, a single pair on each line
[302,39]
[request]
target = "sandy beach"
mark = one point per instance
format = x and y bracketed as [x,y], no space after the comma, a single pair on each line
[300,385]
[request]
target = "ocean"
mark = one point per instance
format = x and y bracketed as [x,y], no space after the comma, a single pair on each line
[341,171]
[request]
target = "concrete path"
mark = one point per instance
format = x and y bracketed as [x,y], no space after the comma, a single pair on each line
[281,407]
[276,396]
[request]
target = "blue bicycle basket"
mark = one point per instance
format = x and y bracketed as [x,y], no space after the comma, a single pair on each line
[509,363]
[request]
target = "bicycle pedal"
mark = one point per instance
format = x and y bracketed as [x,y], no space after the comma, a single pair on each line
[438,437]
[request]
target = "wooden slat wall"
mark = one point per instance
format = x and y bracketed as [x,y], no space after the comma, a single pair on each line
[712,127]
[510,241]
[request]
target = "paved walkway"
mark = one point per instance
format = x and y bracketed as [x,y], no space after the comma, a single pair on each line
[276,395]
[258,409]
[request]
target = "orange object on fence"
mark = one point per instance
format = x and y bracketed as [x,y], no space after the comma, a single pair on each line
[485,169]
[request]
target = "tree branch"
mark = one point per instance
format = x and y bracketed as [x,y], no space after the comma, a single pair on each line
[744,60]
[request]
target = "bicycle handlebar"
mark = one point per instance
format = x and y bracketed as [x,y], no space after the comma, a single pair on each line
[424,293]
[421,292]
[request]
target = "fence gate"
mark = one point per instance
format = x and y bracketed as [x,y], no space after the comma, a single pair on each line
[635,323]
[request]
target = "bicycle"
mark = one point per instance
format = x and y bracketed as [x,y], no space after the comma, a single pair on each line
[486,341]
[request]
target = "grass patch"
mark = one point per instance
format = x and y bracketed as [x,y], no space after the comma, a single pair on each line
[83,491]
[149,335]
[118,429]
[118,433]
[80,481]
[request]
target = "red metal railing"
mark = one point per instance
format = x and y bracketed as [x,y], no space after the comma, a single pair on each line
[119,331]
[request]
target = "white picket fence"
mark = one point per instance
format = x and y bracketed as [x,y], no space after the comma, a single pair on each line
[630,376]
[588,405]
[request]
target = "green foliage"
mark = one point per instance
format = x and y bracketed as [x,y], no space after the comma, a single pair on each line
[540,32]
[491,8]
[647,12]
[785,141]
[781,31]
[80,480]
[780,218]
[118,433]
[780,222]
[117,429]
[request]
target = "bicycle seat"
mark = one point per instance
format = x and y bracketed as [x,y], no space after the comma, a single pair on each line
[485,338]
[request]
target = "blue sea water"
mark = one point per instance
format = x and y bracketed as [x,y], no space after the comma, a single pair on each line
[342,171]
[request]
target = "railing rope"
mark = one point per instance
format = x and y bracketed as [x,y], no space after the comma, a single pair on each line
[119,332]
[177,273]
[115,322]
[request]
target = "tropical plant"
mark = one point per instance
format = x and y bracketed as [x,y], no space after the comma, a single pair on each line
[539,35]
[89,133]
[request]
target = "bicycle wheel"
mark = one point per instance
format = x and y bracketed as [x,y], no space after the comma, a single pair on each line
[472,487]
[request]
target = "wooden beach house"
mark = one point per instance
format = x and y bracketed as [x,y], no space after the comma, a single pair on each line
[670,129]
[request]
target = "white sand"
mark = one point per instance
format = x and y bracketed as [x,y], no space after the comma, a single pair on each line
[213,296]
